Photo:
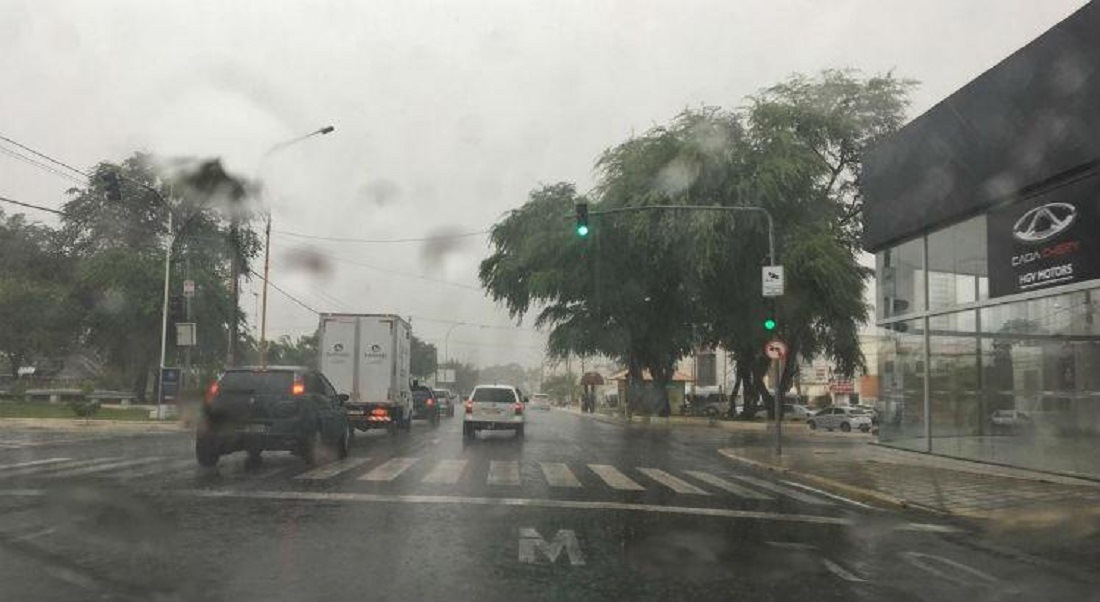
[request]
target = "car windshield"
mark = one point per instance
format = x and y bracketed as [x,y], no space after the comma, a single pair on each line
[256,382]
[809,292]
[494,394]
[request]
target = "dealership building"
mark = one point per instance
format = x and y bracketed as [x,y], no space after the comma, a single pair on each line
[984,218]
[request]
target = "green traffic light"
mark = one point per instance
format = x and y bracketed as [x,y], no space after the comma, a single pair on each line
[769,324]
[582,230]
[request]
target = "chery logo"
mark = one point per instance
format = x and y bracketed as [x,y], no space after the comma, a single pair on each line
[1044,222]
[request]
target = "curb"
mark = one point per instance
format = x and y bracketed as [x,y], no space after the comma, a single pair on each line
[71,424]
[735,426]
[857,493]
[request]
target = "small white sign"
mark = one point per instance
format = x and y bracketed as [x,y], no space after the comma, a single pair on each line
[188,288]
[772,281]
[776,350]
[185,334]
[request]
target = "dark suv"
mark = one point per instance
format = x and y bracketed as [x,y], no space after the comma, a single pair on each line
[425,403]
[273,408]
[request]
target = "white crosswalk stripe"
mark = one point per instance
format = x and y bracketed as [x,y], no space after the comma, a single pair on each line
[332,469]
[59,466]
[725,485]
[447,471]
[155,470]
[33,463]
[503,473]
[674,483]
[615,479]
[558,475]
[103,467]
[784,491]
[390,470]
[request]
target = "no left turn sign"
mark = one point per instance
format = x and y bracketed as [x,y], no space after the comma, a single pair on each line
[776,350]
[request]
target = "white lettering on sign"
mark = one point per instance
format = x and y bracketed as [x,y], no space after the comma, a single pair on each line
[1047,275]
[772,281]
[531,545]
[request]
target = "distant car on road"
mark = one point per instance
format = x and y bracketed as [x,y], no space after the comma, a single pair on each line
[540,401]
[425,404]
[1010,421]
[493,407]
[446,400]
[272,408]
[843,418]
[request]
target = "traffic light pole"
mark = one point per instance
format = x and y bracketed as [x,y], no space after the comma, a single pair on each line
[164,318]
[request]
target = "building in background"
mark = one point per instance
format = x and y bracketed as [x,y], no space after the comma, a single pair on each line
[984,217]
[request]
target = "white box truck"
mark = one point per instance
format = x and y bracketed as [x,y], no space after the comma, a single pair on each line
[366,356]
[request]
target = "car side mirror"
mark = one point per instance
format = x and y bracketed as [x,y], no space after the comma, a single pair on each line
[343,398]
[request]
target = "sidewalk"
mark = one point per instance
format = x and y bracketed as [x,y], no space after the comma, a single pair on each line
[1013,498]
[676,421]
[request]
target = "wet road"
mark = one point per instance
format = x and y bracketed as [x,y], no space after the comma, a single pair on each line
[577,510]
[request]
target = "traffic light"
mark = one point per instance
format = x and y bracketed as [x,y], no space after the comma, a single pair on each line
[582,219]
[769,324]
[176,310]
[110,182]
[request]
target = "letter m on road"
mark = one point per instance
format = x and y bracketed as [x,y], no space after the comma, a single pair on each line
[533,549]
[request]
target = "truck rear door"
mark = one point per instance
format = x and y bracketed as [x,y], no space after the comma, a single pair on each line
[338,354]
[376,359]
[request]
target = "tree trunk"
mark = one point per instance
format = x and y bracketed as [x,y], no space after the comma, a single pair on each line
[661,377]
[733,393]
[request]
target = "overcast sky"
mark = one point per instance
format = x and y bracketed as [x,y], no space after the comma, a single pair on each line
[446,113]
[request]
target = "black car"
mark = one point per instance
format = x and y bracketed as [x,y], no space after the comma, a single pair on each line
[425,403]
[273,408]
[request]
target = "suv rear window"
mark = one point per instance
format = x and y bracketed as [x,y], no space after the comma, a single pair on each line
[494,394]
[420,394]
[262,382]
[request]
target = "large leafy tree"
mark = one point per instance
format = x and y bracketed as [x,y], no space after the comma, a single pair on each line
[38,310]
[649,285]
[119,244]
[423,358]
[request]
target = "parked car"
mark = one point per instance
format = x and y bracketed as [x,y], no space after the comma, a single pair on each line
[273,408]
[540,401]
[796,411]
[446,400]
[843,418]
[424,404]
[1010,421]
[493,407]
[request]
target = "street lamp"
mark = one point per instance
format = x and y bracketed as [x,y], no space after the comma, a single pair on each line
[328,129]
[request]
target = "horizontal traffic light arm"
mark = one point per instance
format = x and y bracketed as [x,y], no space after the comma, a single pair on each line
[719,208]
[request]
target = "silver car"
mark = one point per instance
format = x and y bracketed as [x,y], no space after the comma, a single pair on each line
[493,407]
[843,418]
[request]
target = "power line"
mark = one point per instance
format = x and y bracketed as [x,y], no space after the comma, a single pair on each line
[286,294]
[381,240]
[31,206]
[41,165]
[442,321]
[44,156]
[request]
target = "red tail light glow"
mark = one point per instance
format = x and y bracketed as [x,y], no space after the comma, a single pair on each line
[211,392]
[518,407]
[469,406]
[430,402]
[299,387]
[378,412]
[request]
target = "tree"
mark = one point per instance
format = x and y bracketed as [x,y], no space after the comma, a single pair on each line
[466,375]
[289,351]
[423,358]
[561,387]
[119,246]
[38,310]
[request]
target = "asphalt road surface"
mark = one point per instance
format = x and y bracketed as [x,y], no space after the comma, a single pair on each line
[579,509]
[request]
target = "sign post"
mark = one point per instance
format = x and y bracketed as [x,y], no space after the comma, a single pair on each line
[169,388]
[776,350]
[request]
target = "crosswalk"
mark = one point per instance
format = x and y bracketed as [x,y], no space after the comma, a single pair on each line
[500,475]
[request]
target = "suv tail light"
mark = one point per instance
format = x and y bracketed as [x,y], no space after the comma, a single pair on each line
[299,386]
[469,406]
[518,407]
[430,402]
[211,392]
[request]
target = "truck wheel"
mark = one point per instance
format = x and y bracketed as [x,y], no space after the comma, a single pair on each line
[206,451]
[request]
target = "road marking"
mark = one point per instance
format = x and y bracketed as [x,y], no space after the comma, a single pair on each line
[35,534]
[86,470]
[390,470]
[791,545]
[841,572]
[332,496]
[723,484]
[531,542]
[34,463]
[503,473]
[791,493]
[929,528]
[925,562]
[46,469]
[155,470]
[615,479]
[332,469]
[831,495]
[674,483]
[447,471]
[558,475]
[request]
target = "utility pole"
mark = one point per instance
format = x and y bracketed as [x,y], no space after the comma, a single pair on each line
[164,316]
[234,290]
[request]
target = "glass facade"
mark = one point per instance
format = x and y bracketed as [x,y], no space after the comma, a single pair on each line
[1012,380]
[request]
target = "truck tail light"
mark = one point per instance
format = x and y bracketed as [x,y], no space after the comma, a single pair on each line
[430,402]
[299,386]
[378,412]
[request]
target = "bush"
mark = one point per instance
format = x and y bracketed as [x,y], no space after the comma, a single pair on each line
[84,407]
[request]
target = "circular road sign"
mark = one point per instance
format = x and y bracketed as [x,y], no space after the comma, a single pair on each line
[775,349]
